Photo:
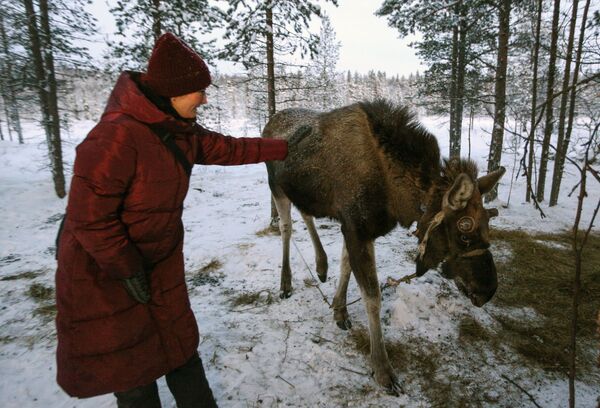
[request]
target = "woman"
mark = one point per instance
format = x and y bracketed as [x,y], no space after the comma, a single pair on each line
[124,317]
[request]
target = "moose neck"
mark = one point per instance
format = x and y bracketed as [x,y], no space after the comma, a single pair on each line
[410,155]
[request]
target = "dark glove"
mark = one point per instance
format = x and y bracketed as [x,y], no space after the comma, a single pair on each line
[138,287]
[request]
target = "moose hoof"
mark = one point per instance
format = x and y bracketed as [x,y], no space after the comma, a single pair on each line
[285,294]
[344,324]
[322,276]
[322,270]
[390,383]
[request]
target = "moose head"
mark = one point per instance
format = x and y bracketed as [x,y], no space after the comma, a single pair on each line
[454,231]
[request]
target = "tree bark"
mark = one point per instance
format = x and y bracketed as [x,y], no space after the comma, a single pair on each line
[57,159]
[495,155]
[270,61]
[271,85]
[46,84]
[549,114]
[11,106]
[453,90]
[534,85]
[556,175]
[563,146]
[460,83]
[156,19]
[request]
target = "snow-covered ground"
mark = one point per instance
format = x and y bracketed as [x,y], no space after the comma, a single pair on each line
[271,352]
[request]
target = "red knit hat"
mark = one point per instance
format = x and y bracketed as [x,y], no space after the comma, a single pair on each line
[175,69]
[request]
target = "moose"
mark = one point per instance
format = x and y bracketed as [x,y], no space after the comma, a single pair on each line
[371,166]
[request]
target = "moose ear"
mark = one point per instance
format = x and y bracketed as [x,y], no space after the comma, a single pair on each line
[487,182]
[461,191]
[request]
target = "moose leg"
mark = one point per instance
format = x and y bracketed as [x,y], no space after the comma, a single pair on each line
[284,207]
[340,310]
[320,255]
[362,261]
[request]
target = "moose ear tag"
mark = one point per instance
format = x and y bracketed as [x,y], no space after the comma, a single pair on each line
[466,224]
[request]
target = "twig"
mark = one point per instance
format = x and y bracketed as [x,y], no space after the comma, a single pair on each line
[352,371]
[285,381]
[525,168]
[311,274]
[354,301]
[574,188]
[248,308]
[317,337]
[395,282]
[522,389]
[594,172]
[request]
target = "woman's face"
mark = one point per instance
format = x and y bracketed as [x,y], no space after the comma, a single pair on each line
[186,105]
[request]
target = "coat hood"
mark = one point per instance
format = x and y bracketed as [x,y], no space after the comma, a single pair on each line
[127,98]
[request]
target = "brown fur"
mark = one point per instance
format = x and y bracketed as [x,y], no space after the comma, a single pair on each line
[371,166]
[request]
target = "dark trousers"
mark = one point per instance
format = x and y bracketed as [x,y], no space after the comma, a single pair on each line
[187,383]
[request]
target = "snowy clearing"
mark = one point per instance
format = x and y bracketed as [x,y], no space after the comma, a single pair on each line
[259,350]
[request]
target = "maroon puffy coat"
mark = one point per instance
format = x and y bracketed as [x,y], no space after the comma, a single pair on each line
[124,214]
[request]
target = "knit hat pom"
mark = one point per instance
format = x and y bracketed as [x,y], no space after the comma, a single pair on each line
[175,69]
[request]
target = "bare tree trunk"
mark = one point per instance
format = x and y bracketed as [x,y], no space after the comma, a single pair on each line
[1,131]
[471,118]
[156,19]
[3,93]
[460,84]
[270,62]
[562,148]
[46,84]
[534,85]
[271,87]
[549,98]
[495,155]
[578,244]
[453,90]
[11,106]
[57,159]
[563,108]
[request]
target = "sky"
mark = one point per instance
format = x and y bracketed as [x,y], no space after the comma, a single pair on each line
[367,42]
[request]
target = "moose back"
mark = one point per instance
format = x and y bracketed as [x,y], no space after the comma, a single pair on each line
[372,166]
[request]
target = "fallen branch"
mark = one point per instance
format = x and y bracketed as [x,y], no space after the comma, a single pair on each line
[311,274]
[317,339]
[285,381]
[522,389]
[352,371]
[395,282]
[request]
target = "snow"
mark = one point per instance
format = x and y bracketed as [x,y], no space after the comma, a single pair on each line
[272,352]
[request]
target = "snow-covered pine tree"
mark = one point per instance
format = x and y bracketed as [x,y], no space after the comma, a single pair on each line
[260,33]
[322,70]
[141,22]
[266,32]
[51,31]
[455,36]
[9,67]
